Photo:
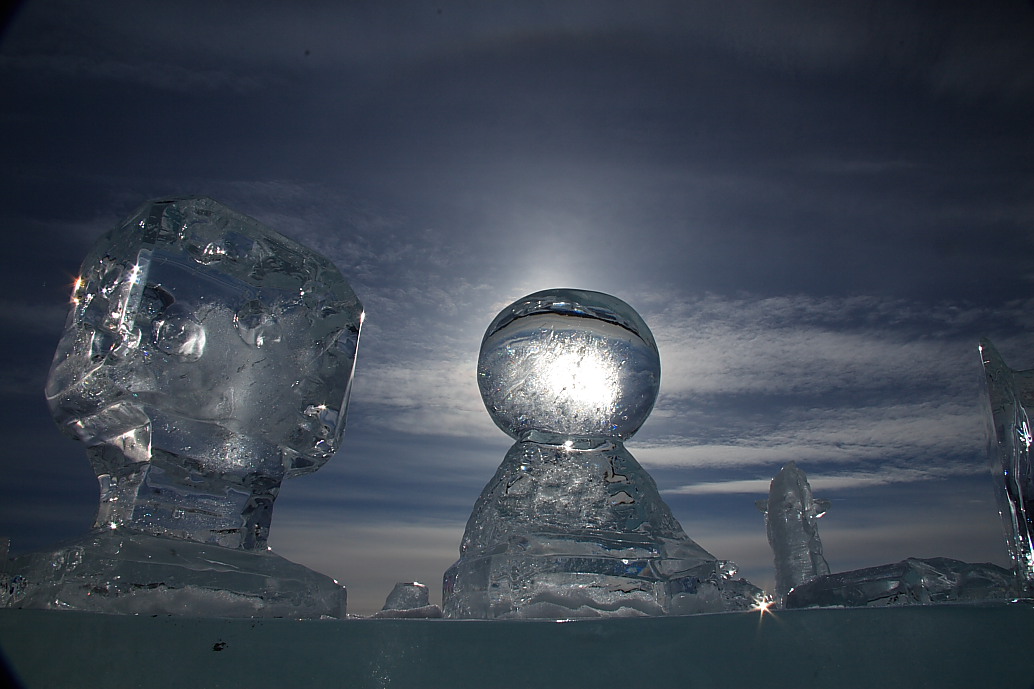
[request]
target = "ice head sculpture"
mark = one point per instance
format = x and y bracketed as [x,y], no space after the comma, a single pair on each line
[206,358]
[571,525]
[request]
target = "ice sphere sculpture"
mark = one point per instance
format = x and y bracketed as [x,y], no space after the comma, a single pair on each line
[571,525]
[206,358]
[791,520]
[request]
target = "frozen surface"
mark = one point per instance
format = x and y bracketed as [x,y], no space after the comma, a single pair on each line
[571,525]
[791,519]
[910,582]
[943,646]
[205,359]
[1010,394]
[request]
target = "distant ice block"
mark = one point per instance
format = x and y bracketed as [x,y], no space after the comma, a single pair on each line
[409,600]
[571,525]
[206,358]
[913,581]
[1010,394]
[791,519]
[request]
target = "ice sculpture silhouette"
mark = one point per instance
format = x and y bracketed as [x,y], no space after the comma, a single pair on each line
[1009,395]
[571,525]
[791,520]
[206,358]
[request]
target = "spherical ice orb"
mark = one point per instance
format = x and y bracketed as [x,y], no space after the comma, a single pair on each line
[569,363]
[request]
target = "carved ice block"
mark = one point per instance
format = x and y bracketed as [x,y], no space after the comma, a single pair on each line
[571,525]
[206,358]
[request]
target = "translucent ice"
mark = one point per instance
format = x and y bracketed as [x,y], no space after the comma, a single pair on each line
[1010,394]
[571,525]
[410,600]
[791,519]
[206,358]
[909,582]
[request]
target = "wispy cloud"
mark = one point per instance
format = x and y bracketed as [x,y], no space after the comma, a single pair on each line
[886,475]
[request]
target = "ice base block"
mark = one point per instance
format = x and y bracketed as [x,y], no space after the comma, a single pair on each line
[132,573]
[961,645]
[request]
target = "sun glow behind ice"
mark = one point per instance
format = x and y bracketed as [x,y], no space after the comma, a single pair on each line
[582,379]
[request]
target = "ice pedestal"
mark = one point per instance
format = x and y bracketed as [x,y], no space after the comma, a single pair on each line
[571,525]
[206,358]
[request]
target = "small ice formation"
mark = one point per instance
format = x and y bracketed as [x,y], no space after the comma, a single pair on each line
[1010,394]
[791,519]
[205,359]
[571,525]
[914,581]
[409,600]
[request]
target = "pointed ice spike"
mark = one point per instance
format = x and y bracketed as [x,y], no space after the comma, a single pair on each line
[1010,394]
[793,532]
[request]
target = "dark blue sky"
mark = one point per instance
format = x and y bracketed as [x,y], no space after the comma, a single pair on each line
[818,209]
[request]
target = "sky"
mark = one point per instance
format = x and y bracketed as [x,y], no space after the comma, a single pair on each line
[818,208]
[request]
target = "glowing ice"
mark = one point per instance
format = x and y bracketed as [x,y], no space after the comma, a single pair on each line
[1010,394]
[571,525]
[206,358]
[791,519]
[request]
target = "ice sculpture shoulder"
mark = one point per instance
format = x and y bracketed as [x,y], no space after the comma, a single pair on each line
[206,358]
[571,525]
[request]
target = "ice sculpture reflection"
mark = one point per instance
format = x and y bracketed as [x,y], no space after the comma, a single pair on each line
[571,525]
[206,358]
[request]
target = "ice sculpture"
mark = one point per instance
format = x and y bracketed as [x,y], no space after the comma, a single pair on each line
[913,581]
[571,525]
[206,358]
[791,519]
[1009,395]
[409,600]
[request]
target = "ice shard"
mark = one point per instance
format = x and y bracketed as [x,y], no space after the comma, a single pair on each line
[1010,394]
[791,519]
[915,581]
[206,358]
[571,525]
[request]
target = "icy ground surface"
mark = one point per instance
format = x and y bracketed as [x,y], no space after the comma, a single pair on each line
[943,646]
